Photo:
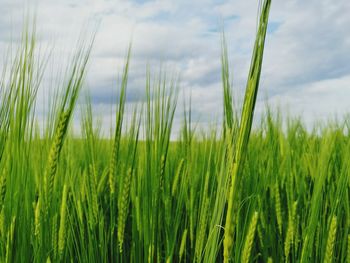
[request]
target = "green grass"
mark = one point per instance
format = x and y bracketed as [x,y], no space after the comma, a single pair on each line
[275,193]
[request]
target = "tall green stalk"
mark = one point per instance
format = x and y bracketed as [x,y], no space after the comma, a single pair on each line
[245,125]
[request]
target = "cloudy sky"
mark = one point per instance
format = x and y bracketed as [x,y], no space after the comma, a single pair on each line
[306,69]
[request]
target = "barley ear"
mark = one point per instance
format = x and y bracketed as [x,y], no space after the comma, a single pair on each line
[112,172]
[62,229]
[177,177]
[330,240]
[348,252]
[278,208]
[183,244]
[93,191]
[54,236]
[37,220]
[290,231]
[202,230]
[2,188]
[9,243]
[249,238]
[2,223]
[123,206]
[55,152]
[162,172]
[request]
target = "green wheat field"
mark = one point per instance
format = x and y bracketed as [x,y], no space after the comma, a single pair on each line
[278,192]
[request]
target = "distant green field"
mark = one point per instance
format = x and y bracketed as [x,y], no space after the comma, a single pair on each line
[277,193]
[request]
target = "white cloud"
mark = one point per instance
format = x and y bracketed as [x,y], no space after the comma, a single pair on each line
[305,64]
[320,100]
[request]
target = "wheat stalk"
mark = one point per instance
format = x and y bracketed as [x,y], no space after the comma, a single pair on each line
[245,126]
